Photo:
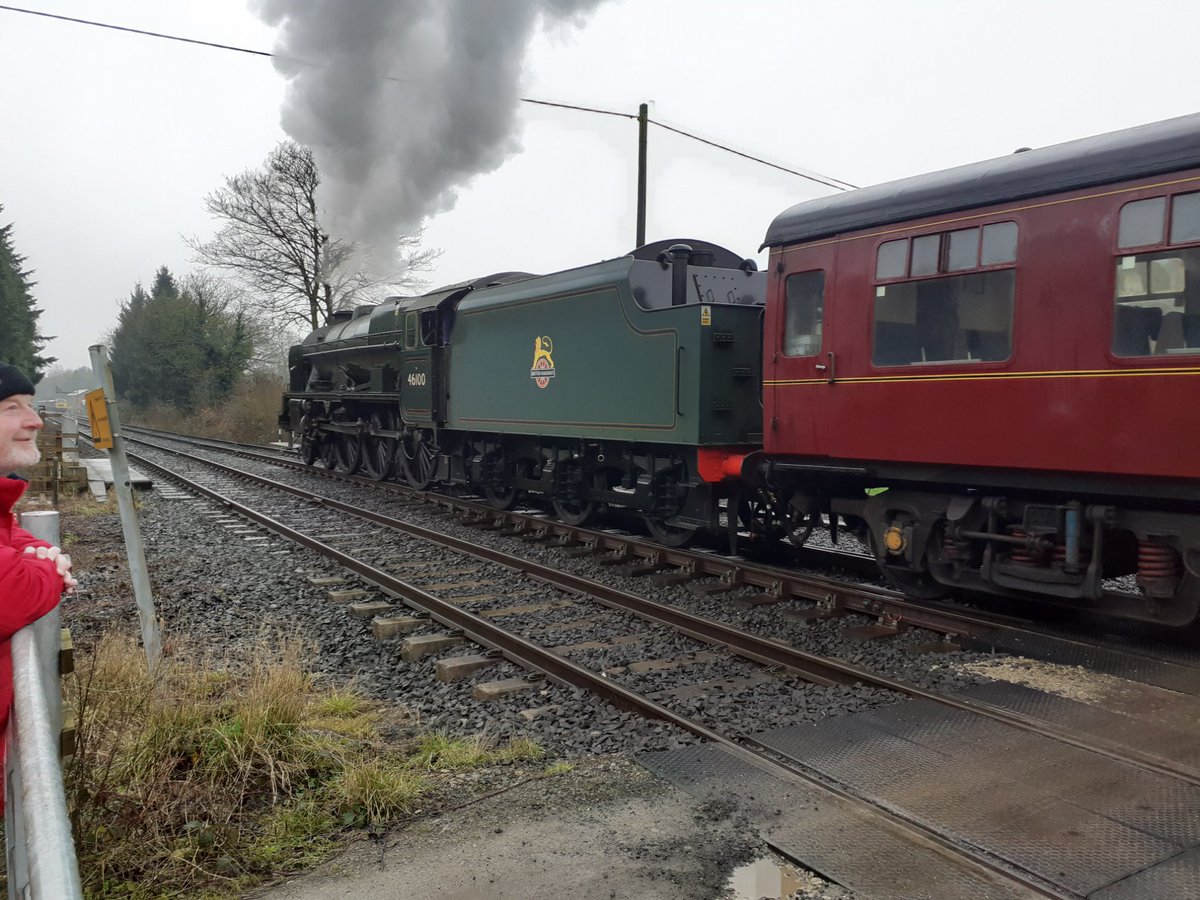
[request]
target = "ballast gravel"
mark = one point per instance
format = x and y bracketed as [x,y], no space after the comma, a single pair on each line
[230,582]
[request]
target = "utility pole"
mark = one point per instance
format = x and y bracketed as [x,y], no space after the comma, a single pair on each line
[643,124]
[325,273]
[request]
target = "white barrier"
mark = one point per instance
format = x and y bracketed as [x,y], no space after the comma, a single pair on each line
[39,847]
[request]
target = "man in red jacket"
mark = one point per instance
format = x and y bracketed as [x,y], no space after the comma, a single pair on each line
[33,574]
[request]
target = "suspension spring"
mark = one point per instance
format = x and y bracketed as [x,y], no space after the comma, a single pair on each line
[1156,560]
[1022,555]
[955,550]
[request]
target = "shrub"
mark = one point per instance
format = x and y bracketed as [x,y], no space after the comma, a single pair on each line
[202,774]
[211,775]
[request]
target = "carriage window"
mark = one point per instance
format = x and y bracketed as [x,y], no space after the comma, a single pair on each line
[963,318]
[925,252]
[999,244]
[948,251]
[1157,304]
[892,261]
[1142,222]
[804,308]
[1185,218]
[963,250]
[938,317]
[1157,296]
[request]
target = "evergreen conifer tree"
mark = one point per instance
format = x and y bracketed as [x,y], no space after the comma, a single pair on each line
[20,343]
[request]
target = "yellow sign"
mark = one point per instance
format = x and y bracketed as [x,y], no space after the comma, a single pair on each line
[97,408]
[706,315]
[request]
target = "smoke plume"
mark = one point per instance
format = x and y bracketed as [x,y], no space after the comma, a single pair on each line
[403,101]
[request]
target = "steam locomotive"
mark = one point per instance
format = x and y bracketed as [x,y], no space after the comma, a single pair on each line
[990,372]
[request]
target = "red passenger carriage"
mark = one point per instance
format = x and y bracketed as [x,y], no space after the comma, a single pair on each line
[1012,349]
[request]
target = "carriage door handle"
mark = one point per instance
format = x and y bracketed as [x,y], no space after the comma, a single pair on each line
[828,369]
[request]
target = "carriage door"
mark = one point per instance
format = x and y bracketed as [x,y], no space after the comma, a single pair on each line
[799,358]
[420,369]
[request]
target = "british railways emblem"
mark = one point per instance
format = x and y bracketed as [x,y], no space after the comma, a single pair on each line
[543,363]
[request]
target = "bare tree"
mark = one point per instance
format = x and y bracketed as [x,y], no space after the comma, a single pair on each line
[273,243]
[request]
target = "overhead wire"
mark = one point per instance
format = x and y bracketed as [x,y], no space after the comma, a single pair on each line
[590,109]
[826,180]
[157,34]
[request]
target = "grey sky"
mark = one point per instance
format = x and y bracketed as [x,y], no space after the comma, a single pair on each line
[112,140]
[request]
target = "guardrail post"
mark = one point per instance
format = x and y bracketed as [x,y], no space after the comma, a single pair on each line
[39,847]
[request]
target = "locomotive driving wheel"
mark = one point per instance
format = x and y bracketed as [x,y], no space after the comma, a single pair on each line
[310,442]
[328,445]
[379,456]
[348,450]
[418,455]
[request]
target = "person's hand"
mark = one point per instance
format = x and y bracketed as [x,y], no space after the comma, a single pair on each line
[61,561]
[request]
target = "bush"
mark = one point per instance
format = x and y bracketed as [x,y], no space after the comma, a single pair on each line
[250,414]
[194,774]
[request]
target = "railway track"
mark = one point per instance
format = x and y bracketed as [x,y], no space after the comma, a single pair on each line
[773,659]
[808,596]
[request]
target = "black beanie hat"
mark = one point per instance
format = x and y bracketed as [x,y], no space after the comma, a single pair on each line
[13,381]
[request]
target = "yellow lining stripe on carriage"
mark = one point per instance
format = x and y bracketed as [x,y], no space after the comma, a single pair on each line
[986,376]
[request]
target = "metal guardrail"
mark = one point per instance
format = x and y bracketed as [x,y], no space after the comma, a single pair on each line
[37,828]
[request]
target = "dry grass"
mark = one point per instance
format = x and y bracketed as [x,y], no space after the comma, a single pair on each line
[377,791]
[438,750]
[207,778]
[249,415]
[84,505]
[174,772]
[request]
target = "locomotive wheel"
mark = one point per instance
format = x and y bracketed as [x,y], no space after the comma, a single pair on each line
[501,496]
[329,451]
[670,535]
[310,446]
[575,512]
[379,456]
[349,452]
[496,487]
[418,456]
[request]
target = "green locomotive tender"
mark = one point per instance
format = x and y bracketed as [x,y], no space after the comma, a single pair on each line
[632,383]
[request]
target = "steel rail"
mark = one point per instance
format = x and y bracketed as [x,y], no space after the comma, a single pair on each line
[810,666]
[530,655]
[865,599]
[827,592]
